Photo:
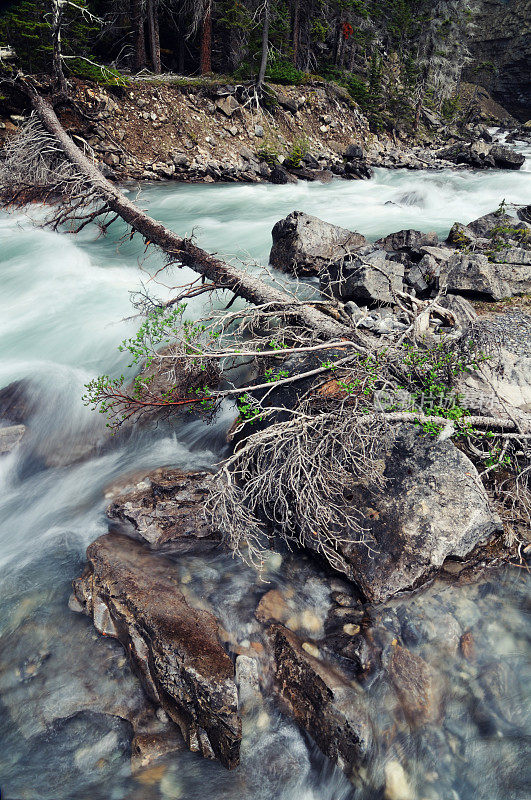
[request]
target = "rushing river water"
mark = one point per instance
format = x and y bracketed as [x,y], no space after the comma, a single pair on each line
[64,304]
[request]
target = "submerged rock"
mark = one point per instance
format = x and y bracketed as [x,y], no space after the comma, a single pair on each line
[322,700]
[16,402]
[166,508]
[133,595]
[10,437]
[432,507]
[304,244]
[416,685]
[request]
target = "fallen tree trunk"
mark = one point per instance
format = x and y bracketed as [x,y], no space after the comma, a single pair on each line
[179,250]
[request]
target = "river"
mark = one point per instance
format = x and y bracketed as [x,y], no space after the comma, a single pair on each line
[64,308]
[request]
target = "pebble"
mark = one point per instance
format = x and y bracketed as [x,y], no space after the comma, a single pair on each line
[396,783]
[311,649]
[350,629]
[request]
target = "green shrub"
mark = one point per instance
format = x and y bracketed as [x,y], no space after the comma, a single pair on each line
[280,70]
[295,155]
[358,91]
[105,76]
[269,153]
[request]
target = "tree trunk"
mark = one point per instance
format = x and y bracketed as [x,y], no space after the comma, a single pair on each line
[153,26]
[206,39]
[265,46]
[296,31]
[57,19]
[183,251]
[137,18]
[339,43]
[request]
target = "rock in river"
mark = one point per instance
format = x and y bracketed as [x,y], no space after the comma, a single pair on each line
[432,507]
[303,244]
[166,508]
[322,700]
[133,595]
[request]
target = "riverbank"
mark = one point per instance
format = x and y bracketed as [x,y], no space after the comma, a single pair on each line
[213,131]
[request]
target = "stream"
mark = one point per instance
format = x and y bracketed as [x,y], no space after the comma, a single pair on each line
[65,690]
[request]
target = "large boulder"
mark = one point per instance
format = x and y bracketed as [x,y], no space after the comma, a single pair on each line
[480,155]
[473,274]
[506,157]
[166,509]
[408,241]
[321,699]
[505,377]
[433,507]
[513,266]
[304,244]
[133,595]
[370,277]
[503,273]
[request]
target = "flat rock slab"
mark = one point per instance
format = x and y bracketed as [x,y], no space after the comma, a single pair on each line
[433,506]
[166,508]
[322,700]
[133,595]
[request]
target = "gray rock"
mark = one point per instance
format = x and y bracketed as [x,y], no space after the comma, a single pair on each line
[474,275]
[280,175]
[358,169]
[433,507]
[287,103]
[463,311]
[353,151]
[418,274]
[164,170]
[408,241]
[304,244]
[506,339]
[227,105]
[18,401]
[512,255]
[180,159]
[166,508]
[10,438]
[368,278]
[506,157]
[132,595]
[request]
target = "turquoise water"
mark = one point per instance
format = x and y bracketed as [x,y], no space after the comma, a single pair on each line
[64,308]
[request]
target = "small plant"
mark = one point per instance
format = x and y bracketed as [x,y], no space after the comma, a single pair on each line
[299,149]
[269,153]
[280,70]
[501,211]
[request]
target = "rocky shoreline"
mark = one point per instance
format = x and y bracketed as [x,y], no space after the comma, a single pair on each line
[158,130]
